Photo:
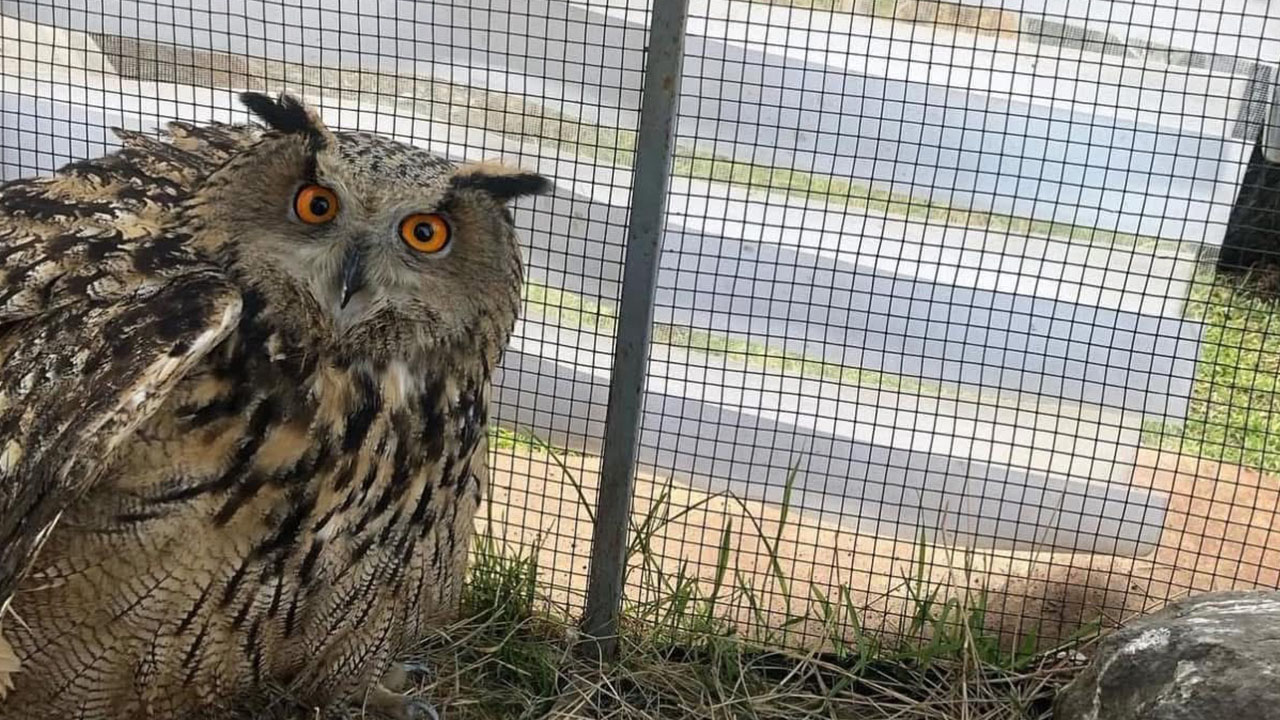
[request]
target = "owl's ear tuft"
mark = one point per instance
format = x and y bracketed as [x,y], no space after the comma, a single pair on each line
[502,182]
[287,114]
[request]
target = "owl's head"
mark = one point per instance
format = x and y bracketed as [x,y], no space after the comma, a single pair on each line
[384,249]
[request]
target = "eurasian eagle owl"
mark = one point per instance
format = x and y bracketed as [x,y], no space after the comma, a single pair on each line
[244,388]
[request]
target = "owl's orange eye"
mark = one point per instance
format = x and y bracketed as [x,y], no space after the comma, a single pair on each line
[427,233]
[315,204]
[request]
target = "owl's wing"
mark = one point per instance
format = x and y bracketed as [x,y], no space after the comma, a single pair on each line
[184,153]
[103,308]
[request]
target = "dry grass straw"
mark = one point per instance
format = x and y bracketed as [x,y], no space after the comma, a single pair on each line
[510,659]
[514,655]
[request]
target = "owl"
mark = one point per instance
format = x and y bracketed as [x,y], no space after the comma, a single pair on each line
[245,373]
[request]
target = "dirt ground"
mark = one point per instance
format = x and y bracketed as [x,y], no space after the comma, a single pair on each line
[1221,533]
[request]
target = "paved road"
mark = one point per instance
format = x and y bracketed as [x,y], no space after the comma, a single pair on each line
[1157,153]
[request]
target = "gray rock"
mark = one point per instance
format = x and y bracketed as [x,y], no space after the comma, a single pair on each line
[1209,657]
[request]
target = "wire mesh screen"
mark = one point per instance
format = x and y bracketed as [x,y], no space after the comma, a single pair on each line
[949,301]
[532,84]
[938,317]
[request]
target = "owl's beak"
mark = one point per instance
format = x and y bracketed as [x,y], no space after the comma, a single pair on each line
[352,274]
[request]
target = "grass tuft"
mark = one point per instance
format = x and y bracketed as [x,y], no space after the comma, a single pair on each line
[516,654]
[512,658]
[1234,414]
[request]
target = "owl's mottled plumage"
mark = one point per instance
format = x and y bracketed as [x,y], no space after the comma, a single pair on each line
[237,448]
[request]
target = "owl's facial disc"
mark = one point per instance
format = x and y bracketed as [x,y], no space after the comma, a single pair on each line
[399,248]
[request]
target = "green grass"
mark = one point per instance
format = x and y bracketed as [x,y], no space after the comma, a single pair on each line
[680,651]
[516,654]
[568,309]
[1234,415]
[501,438]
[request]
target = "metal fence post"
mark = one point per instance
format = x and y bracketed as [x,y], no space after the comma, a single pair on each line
[1271,131]
[652,168]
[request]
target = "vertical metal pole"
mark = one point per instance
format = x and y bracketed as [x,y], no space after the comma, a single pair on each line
[1271,128]
[652,168]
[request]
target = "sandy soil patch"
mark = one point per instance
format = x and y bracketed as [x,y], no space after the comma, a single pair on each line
[1221,533]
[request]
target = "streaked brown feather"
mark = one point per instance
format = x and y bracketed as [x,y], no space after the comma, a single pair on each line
[250,490]
[92,341]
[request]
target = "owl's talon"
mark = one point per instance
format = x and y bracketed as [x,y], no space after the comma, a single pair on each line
[419,709]
[405,676]
[400,707]
[419,672]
